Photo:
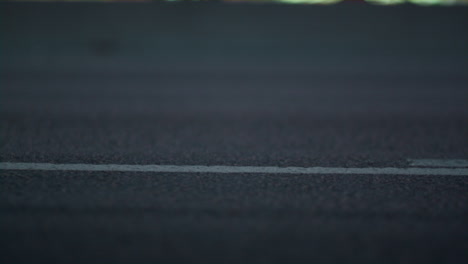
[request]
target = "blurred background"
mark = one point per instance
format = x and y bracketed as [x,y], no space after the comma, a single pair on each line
[243,56]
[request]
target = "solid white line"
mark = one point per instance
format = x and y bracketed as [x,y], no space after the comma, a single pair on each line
[231,169]
[453,163]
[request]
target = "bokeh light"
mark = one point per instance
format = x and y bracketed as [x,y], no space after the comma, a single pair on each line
[378,2]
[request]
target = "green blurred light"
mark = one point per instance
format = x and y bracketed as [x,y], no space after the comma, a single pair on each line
[418,2]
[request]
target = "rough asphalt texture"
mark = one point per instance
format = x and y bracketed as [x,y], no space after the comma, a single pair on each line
[349,85]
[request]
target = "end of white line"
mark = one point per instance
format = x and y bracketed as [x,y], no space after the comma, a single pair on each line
[450,163]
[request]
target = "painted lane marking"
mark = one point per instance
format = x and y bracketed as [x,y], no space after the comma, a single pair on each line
[453,163]
[231,169]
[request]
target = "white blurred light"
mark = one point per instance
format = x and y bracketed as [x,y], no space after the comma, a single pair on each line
[386,2]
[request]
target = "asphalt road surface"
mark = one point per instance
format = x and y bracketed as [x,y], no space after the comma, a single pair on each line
[206,84]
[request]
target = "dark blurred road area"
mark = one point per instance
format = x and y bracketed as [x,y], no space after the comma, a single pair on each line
[347,85]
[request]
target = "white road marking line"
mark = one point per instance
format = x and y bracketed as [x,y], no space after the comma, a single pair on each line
[453,163]
[231,169]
